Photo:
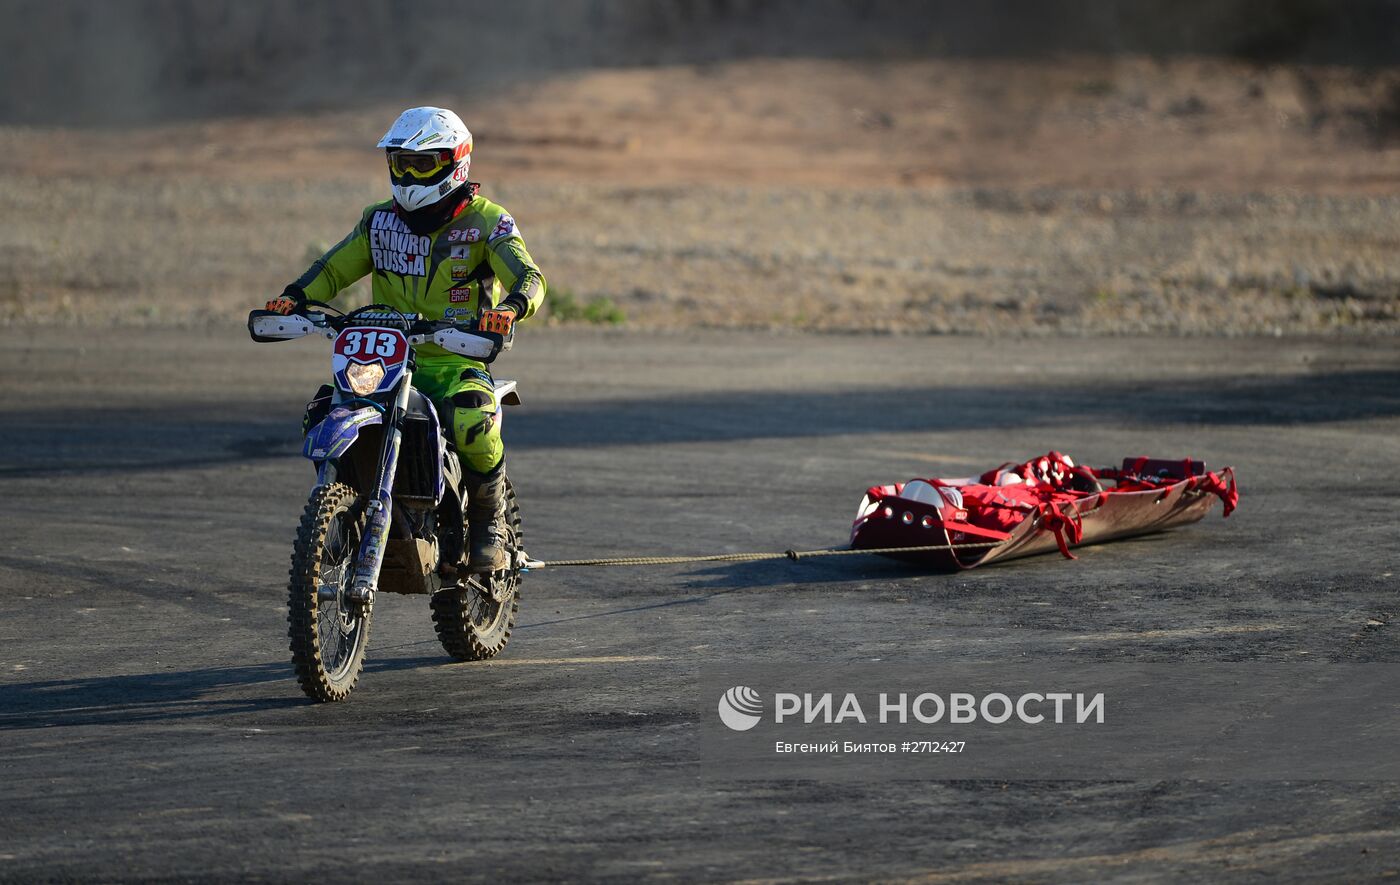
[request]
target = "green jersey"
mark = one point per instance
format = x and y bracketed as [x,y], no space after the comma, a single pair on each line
[453,273]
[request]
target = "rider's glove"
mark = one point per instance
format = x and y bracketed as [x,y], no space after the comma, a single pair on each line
[498,319]
[495,320]
[290,301]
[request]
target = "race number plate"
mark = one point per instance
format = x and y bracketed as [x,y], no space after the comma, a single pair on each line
[388,347]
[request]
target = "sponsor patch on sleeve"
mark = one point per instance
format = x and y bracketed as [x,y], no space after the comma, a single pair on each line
[504,228]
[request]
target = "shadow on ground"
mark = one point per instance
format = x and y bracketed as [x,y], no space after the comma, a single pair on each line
[36,443]
[155,697]
[726,415]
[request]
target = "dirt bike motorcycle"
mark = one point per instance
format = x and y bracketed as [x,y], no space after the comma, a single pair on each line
[388,511]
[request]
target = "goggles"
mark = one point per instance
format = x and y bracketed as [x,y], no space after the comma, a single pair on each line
[418,164]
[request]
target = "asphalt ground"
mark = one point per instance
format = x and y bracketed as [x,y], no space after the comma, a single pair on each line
[151,729]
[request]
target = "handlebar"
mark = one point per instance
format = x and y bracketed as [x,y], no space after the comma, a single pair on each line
[268,325]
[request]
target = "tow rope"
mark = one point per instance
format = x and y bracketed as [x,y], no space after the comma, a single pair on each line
[750,557]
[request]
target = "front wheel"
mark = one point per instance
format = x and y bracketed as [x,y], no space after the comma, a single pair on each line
[474,618]
[328,636]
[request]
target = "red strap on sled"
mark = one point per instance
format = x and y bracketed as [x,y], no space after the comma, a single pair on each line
[1223,486]
[1063,524]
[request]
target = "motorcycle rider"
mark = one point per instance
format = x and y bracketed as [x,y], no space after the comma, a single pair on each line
[440,249]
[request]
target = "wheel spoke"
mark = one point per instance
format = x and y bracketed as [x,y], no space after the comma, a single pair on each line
[336,628]
[327,641]
[471,623]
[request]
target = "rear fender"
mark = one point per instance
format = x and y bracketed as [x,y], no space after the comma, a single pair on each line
[338,431]
[506,393]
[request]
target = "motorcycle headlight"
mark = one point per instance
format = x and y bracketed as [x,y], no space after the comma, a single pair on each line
[364,378]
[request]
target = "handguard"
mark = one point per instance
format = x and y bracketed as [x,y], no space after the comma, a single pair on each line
[268,325]
[482,346]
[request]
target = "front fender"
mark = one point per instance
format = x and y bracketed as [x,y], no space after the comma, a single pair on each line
[338,431]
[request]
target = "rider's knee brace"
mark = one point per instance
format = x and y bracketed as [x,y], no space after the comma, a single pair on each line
[476,430]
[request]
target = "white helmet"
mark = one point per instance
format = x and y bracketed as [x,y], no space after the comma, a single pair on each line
[429,151]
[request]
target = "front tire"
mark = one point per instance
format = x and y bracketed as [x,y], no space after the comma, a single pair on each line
[475,617]
[328,637]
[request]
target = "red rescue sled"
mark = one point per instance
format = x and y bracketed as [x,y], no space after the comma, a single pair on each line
[1043,504]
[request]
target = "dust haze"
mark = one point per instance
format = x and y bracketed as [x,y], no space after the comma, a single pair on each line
[129,61]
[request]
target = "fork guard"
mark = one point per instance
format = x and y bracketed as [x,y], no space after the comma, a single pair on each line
[337,432]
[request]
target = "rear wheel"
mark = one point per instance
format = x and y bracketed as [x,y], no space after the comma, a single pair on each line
[475,617]
[328,635]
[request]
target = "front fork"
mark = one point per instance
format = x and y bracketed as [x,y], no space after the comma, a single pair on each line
[370,557]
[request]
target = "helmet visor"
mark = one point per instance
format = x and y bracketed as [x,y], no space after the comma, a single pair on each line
[421,165]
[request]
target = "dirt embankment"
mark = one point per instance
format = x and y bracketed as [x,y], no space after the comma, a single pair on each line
[1081,195]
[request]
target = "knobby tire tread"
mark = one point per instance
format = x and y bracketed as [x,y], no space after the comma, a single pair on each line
[452,607]
[303,606]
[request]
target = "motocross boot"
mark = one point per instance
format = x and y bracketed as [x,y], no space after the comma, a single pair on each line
[486,520]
